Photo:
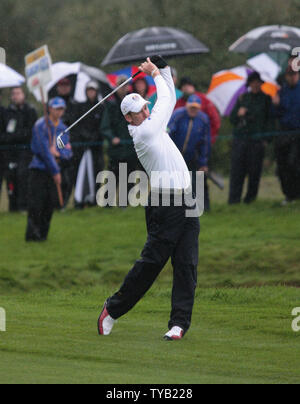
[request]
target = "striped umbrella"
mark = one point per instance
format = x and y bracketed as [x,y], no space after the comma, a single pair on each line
[276,38]
[227,86]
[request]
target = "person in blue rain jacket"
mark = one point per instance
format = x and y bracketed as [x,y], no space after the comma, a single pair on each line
[45,172]
[190,130]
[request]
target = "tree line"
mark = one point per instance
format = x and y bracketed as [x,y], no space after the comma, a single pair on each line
[77,30]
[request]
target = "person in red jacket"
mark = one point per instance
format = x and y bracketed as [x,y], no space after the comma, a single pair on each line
[188,88]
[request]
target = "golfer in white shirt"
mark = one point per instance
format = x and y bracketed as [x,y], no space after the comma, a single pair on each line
[170,232]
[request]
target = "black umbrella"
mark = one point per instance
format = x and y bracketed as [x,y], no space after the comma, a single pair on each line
[272,38]
[165,41]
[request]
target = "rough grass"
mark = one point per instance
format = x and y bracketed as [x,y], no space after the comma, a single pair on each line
[239,246]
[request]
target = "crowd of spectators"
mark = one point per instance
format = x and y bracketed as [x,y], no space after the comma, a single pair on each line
[194,128]
[258,120]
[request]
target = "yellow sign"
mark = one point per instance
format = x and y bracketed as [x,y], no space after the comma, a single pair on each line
[36,55]
[38,68]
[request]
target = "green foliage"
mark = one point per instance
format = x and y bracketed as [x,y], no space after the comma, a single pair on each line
[85,31]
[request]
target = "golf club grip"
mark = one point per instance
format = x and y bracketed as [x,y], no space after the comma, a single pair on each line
[136,74]
[219,184]
[60,195]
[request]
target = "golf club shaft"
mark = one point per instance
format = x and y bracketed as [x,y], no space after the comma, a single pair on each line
[100,102]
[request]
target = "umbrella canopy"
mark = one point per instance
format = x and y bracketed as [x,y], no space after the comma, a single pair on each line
[227,86]
[79,75]
[266,66]
[129,72]
[9,77]
[165,41]
[274,38]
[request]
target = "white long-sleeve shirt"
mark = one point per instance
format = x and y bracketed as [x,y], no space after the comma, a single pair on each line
[155,149]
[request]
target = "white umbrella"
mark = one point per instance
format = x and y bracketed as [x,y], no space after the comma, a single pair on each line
[269,70]
[9,77]
[83,75]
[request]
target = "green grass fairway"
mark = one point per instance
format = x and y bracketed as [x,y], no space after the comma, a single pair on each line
[249,274]
[238,336]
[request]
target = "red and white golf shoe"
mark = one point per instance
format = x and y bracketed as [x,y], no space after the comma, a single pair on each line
[105,322]
[174,334]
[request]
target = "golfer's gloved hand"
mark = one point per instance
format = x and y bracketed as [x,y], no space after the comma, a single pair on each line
[159,61]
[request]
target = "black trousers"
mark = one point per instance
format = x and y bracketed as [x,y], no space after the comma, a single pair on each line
[17,173]
[247,160]
[42,201]
[2,169]
[170,234]
[66,168]
[206,188]
[287,151]
[193,168]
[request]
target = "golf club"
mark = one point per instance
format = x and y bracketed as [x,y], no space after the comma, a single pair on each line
[216,179]
[60,142]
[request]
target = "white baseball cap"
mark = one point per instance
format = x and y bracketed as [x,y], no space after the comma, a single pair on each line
[133,103]
[92,84]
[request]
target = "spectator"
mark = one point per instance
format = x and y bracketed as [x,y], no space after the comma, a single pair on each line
[88,131]
[188,88]
[45,170]
[190,130]
[64,90]
[115,129]
[140,86]
[287,145]
[281,79]
[179,94]
[18,123]
[251,117]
